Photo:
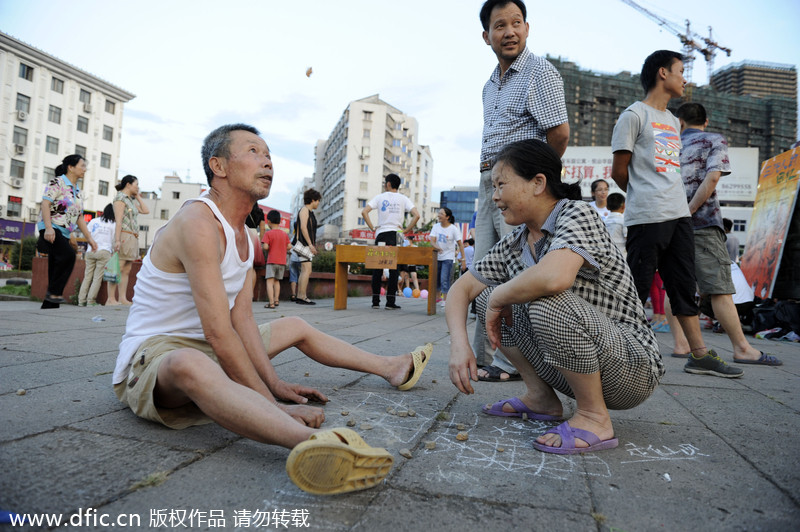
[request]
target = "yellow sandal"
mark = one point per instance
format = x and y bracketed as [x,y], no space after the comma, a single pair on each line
[337,461]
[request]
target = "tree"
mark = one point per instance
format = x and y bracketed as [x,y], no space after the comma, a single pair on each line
[28,251]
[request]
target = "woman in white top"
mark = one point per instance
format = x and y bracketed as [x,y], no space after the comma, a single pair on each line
[600,197]
[102,230]
[444,237]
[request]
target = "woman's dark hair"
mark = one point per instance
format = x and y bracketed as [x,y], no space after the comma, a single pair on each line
[311,195]
[69,160]
[108,213]
[449,214]
[125,180]
[530,157]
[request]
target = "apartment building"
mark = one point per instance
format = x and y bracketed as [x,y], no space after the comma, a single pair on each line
[50,109]
[371,139]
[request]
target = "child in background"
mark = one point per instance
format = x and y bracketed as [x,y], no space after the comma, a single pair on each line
[276,244]
[615,220]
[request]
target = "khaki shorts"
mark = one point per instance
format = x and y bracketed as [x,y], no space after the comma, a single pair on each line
[136,390]
[275,271]
[128,247]
[712,263]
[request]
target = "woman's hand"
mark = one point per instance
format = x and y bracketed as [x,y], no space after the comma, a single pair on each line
[496,314]
[463,367]
[50,235]
[117,244]
[313,248]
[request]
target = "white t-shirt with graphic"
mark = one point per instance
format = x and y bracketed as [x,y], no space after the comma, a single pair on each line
[655,188]
[446,238]
[392,208]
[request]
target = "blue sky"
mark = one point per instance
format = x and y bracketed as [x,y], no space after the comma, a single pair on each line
[197,64]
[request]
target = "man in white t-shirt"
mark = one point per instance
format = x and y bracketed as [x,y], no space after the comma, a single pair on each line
[392,208]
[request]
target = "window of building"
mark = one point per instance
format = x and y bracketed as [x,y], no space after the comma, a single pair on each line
[80,150]
[398,126]
[176,195]
[395,158]
[396,142]
[17,168]
[111,107]
[57,85]
[362,203]
[366,133]
[361,221]
[365,151]
[105,160]
[365,168]
[14,207]
[108,133]
[367,116]
[740,225]
[20,136]
[23,103]
[26,71]
[51,145]
[144,228]
[54,115]
[48,174]
[165,214]
[83,124]
[85,96]
[102,188]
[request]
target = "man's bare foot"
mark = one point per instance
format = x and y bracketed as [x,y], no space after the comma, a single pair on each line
[401,368]
[598,424]
[750,354]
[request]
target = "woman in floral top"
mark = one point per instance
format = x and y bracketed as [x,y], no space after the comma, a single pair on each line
[128,204]
[62,212]
[559,300]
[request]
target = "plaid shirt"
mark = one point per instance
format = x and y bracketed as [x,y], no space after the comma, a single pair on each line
[524,104]
[606,283]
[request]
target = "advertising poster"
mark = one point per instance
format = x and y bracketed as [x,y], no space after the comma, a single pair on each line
[769,226]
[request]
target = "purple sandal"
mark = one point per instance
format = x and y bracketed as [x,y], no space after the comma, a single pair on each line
[517,404]
[568,435]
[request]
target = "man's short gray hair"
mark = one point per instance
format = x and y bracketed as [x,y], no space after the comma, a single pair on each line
[218,143]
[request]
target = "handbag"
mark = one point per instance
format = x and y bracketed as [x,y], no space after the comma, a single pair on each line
[111,273]
[303,251]
[259,259]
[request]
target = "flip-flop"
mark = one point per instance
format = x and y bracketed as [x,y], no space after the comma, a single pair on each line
[568,435]
[520,408]
[419,365]
[337,461]
[764,360]
[494,375]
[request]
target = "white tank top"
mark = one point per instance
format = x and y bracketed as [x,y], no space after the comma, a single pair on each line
[163,302]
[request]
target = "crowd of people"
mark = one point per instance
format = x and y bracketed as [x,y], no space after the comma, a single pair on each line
[558,284]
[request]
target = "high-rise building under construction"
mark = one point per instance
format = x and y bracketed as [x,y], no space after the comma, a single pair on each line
[744,109]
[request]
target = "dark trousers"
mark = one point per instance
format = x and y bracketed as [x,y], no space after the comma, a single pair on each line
[668,247]
[60,261]
[390,238]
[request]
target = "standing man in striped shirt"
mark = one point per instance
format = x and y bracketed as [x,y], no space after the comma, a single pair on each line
[523,99]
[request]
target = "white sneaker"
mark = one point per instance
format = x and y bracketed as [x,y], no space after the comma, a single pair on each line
[442,302]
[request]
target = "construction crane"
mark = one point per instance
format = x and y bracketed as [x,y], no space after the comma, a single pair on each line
[690,40]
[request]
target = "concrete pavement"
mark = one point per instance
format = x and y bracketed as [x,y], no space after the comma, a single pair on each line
[703,453]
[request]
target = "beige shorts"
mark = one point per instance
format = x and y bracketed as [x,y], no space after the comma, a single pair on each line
[128,247]
[136,390]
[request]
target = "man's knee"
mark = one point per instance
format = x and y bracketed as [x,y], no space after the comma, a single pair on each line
[187,365]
